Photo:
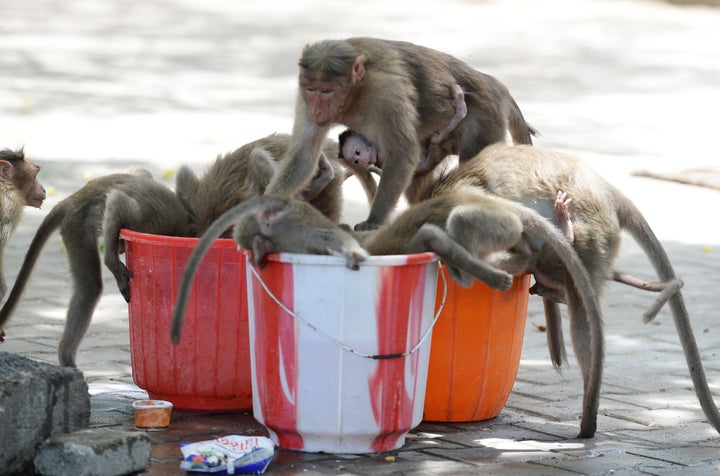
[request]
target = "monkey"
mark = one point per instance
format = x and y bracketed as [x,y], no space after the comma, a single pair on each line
[268,224]
[482,223]
[600,213]
[391,93]
[245,172]
[356,149]
[19,187]
[136,201]
[462,226]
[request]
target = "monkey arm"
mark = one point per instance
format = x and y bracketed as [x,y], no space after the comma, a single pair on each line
[457,259]
[398,167]
[299,164]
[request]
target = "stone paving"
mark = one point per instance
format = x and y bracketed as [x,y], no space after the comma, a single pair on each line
[93,86]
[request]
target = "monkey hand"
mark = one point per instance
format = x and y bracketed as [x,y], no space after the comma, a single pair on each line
[123,281]
[353,256]
[496,279]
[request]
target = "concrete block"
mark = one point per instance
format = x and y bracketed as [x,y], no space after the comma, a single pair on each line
[37,400]
[94,452]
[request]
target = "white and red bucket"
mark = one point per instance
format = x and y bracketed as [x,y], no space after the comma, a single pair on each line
[339,358]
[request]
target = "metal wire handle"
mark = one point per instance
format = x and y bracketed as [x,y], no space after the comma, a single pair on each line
[344,346]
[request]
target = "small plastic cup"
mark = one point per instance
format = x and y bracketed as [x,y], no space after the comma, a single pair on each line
[152,414]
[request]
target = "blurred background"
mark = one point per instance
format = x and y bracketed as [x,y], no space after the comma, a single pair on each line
[92,86]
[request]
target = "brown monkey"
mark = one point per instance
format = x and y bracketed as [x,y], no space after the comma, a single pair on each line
[481,224]
[391,92]
[246,171]
[267,224]
[18,187]
[601,213]
[356,149]
[140,203]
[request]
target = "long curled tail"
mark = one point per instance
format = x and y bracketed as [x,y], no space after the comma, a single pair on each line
[218,227]
[50,223]
[632,221]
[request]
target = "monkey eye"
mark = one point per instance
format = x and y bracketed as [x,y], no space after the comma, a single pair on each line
[357,151]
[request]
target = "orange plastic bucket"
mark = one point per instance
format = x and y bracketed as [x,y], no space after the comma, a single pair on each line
[210,368]
[475,353]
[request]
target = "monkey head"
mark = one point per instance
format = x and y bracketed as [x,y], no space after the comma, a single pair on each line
[22,174]
[329,70]
[355,149]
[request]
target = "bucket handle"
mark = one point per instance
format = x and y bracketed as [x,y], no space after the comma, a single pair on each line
[341,344]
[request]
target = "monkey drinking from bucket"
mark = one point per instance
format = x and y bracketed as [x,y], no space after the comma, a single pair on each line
[268,224]
[600,213]
[131,200]
[395,94]
[244,173]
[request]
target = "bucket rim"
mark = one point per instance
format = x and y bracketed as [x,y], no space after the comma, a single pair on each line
[176,241]
[328,260]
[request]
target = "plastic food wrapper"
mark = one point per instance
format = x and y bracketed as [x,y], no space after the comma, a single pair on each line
[232,454]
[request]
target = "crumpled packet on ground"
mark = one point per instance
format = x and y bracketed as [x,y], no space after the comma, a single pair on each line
[232,454]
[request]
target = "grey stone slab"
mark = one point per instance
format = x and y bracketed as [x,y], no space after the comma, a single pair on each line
[37,400]
[94,452]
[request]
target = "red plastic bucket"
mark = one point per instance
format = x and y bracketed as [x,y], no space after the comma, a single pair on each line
[477,343]
[314,325]
[210,368]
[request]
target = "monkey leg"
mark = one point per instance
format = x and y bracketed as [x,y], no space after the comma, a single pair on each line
[666,290]
[87,289]
[120,208]
[459,262]
[554,334]
[671,288]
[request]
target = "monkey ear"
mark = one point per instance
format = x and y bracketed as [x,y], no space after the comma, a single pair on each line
[358,69]
[185,179]
[7,171]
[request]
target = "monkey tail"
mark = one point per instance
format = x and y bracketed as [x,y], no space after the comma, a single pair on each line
[214,231]
[634,223]
[520,130]
[583,285]
[50,223]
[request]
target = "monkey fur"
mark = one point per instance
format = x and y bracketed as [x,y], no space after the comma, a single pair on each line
[135,201]
[396,95]
[601,213]
[268,224]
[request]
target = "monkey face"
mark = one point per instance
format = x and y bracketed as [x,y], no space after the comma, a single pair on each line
[324,100]
[357,151]
[35,194]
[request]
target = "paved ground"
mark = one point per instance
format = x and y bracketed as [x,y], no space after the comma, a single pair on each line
[91,86]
